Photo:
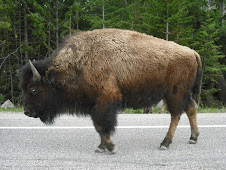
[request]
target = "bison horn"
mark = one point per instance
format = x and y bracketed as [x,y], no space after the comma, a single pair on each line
[36,75]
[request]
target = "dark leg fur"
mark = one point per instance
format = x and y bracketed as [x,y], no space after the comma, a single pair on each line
[169,136]
[105,140]
[192,116]
[175,105]
[166,142]
[104,119]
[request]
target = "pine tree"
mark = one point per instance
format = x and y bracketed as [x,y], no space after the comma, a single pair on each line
[205,42]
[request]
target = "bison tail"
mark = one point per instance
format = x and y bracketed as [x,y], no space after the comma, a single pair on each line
[196,89]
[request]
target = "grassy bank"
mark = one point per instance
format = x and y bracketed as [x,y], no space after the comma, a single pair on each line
[212,110]
[200,110]
[156,110]
[17,109]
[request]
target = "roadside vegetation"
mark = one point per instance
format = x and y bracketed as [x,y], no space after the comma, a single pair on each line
[139,111]
[32,29]
[200,110]
[18,109]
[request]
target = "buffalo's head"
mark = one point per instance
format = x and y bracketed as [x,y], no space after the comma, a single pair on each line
[38,93]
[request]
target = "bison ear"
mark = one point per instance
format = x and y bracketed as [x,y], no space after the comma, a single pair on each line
[50,77]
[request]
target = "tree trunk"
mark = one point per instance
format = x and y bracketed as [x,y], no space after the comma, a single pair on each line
[77,25]
[222,6]
[70,25]
[167,30]
[221,84]
[57,26]
[103,14]
[25,30]
[11,81]
[20,33]
[167,23]
[49,32]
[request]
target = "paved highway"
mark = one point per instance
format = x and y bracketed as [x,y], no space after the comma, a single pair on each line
[26,143]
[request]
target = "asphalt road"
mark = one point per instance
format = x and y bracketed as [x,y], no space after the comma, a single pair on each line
[26,143]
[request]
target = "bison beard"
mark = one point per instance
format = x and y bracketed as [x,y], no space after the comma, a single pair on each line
[97,73]
[47,120]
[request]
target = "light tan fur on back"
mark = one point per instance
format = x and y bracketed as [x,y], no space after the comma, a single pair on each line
[128,56]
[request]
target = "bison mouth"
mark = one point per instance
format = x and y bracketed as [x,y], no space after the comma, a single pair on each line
[46,116]
[47,120]
[44,119]
[30,114]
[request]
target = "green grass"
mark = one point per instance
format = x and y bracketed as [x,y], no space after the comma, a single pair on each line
[200,110]
[17,109]
[129,110]
[212,110]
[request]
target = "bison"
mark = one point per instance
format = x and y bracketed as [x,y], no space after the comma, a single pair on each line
[99,72]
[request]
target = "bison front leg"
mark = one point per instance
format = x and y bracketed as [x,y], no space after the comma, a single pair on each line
[105,118]
[106,142]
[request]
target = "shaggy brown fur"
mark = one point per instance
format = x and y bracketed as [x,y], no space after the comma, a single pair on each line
[99,72]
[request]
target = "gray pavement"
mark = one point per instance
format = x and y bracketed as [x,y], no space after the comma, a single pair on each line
[26,143]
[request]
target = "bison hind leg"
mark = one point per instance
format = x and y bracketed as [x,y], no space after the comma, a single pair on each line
[176,103]
[192,116]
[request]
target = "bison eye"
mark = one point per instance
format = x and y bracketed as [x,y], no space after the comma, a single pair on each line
[33,90]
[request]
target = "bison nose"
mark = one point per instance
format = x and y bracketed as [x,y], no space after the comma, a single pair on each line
[27,113]
[30,114]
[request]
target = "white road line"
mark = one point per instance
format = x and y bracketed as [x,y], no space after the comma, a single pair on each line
[118,127]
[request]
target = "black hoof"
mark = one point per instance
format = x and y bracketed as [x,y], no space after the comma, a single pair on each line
[165,143]
[163,148]
[110,147]
[193,140]
[100,149]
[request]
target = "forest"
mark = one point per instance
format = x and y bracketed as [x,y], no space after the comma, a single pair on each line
[33,29]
